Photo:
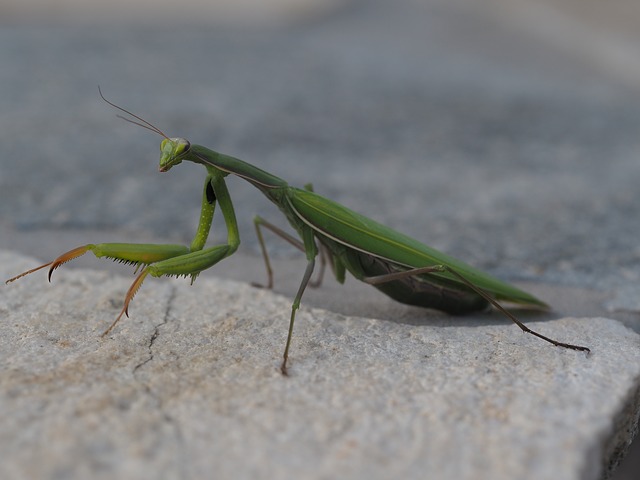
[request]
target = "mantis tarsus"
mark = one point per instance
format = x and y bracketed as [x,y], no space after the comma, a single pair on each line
[401,267]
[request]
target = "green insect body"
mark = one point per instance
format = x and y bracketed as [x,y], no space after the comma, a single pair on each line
[401,267]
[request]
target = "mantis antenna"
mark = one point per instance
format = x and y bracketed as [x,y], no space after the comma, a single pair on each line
[142,123]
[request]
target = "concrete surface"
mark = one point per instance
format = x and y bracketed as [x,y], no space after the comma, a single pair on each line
[189,387]
[488,136]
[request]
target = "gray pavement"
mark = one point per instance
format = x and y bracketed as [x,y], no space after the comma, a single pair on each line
[477,132]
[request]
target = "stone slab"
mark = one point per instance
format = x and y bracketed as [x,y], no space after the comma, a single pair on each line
[189,387]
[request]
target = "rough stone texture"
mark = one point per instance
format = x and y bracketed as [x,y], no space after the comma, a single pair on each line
[189,387]
[510,143]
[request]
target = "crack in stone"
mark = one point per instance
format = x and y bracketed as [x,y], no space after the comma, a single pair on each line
[174,425]
[156,330]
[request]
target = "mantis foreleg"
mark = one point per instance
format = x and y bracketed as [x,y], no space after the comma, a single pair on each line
[167,260]
[189,264]
[197,260]
[129,253]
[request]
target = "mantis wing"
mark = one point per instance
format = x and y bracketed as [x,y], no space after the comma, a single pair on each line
[358,232]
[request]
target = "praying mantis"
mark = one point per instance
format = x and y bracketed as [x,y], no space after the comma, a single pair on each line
[399,266]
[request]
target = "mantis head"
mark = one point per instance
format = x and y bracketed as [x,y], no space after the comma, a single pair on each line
[174,150]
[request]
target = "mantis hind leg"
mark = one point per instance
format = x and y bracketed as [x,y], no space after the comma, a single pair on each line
[380,279]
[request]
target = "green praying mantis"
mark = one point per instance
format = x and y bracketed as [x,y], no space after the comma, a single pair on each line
[399,266]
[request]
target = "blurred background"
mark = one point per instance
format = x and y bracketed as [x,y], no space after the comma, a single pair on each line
[504,132]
